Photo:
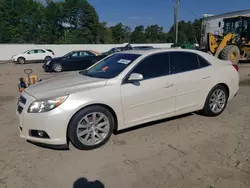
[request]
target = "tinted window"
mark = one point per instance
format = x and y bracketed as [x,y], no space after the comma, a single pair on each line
[49,50]
[154,66]
[81,54]
[32,51]
[75,54]
[202,62]
[40,51]
[112,66]
[183,61]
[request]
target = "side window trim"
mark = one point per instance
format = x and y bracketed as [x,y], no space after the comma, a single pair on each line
[125,78]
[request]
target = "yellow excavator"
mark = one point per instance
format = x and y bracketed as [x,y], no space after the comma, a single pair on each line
[234,43]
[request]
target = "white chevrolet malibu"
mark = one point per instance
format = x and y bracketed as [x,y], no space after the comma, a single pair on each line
[123,90]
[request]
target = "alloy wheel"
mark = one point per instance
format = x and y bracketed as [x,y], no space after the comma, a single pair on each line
[217,101]
[93,128]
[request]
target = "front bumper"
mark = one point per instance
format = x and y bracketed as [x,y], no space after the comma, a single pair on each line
[54,123]
[46,68]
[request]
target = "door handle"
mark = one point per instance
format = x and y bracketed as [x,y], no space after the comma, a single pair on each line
[168,85]
[207,77]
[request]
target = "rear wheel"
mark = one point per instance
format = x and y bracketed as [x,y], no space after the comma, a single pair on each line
[216,101]
[21,60]
[91,127]
[230,52]
[57,67]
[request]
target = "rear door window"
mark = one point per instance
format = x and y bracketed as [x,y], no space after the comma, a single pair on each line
[202,62]
[183,61]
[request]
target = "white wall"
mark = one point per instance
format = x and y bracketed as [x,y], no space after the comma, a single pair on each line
[8,50]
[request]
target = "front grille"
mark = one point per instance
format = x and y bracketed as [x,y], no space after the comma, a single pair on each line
[19,109]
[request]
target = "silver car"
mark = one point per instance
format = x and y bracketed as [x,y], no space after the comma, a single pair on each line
[123,90]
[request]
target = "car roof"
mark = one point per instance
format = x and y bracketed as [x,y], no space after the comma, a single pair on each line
[159,50]
[147,52]
[156,50]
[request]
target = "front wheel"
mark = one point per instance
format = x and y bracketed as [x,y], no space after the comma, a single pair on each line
[57,67]
[21,60]
[216,101]
[91,128]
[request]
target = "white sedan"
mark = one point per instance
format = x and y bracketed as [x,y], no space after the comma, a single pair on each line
[34,55]
[123,90]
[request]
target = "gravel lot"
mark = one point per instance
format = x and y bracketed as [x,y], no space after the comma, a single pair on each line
[190,151]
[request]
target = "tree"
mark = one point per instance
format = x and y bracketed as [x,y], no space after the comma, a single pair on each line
[197,27]
[77,22]
[105,34]
[82,21]
[155,34]
[51,28]
[188,32]
[138,35]
[121,33]
[19,20]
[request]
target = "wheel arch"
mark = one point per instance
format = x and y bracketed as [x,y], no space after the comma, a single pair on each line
[95,104]
[21,57]
[221,84]
[48,56]
[226,87]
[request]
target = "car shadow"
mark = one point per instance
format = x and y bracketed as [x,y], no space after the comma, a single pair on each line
[84,183]
[153,123]
[52,147]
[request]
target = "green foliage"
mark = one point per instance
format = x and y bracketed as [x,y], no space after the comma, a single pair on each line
[77,22]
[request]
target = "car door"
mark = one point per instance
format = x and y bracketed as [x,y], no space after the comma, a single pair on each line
[30,55]
[190,79]
[71,62]
[40,54]
[154,96]
[86,59]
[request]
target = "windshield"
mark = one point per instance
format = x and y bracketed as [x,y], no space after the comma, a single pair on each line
[233,26]
[68,54]
[112,66]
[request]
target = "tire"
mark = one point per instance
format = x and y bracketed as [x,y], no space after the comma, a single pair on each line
[208,107]
[47,58]
[90,130]
[230,52]
[57,67]
[21,60]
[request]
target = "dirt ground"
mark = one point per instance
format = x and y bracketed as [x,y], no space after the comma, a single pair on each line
[189,152]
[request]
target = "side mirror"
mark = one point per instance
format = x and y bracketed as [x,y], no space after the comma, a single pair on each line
[135,77]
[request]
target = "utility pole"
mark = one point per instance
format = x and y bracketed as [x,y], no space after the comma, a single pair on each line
[176,12]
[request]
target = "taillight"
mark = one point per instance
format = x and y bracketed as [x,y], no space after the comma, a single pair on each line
[236,67]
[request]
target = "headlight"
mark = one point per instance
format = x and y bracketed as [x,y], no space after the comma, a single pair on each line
[45,105]
[48,62]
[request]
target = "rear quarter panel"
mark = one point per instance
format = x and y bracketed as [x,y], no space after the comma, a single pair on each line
[225,73]
[220,72]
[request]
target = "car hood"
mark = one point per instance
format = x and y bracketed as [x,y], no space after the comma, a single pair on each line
[64,85]
[57,58]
